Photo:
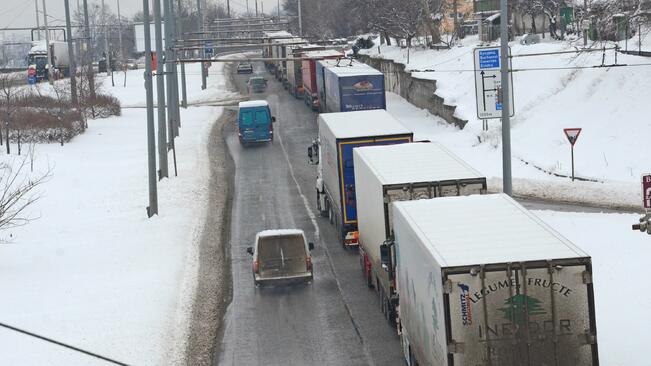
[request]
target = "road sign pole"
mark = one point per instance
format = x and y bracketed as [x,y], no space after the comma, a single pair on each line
[152,209]
[506,107]
[572,163]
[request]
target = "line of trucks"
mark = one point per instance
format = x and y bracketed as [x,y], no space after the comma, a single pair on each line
[323,78]
[467,278]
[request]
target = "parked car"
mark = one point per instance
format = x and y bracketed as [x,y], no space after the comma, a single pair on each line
[281,256]
[256,84]
[245,68]
[255,122]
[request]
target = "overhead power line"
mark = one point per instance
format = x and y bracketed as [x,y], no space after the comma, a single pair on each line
[73,348]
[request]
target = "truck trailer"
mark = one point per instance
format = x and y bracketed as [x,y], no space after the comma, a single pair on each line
[401,173]
[482,281]
[350,85]
[59,59]
[309,74]
[294,73]
[339,134]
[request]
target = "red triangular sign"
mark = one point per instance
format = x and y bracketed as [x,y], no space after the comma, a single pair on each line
[572,134]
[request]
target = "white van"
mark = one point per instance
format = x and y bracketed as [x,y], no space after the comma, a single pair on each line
[281,256]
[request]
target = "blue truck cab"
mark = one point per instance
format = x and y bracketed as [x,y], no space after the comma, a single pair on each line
[255,122]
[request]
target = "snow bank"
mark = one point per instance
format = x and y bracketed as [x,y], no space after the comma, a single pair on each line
[622,300]
[93,271]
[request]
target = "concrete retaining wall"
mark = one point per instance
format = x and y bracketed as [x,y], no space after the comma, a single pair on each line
[419,92]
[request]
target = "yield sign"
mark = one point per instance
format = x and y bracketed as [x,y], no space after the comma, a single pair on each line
[572,134]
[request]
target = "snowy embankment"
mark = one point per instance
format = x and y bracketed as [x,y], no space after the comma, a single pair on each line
[551,93]
[93,271]
[622,300]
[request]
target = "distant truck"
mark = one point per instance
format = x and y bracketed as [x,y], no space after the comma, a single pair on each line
[352,86]
[339,134]
[60,59]
[394,173]
[309,74]
[294,74]
[482,281]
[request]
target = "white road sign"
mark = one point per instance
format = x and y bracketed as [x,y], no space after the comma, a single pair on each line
[140,36]
[488,83]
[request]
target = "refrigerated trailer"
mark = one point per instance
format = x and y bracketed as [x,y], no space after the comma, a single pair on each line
[350,85]
[309,71]
[401,173]
[339,134]
[482,281]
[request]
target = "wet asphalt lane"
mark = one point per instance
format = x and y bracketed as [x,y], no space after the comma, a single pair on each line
[335,320]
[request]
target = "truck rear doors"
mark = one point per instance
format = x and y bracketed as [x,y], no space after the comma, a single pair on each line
[524,314]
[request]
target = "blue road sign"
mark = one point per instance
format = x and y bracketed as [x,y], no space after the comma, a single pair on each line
[489,59]
[208,48]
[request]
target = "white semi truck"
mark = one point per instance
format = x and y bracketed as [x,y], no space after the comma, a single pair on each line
[339,134]
[401,173]
[482,282]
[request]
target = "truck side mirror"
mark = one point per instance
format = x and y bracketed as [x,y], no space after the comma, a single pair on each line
[310,245]
[385,255]
[310,153]
[249,250]
[273,119]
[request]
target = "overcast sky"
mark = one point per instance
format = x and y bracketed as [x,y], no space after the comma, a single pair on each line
[21,13]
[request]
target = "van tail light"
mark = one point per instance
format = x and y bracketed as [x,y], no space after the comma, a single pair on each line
[256,266]
[308,263]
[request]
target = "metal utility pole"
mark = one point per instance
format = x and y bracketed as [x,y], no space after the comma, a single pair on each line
[228,8]
[184,91]
[175,75]
[506,101]
[106,44]
[202,53]
[88,53]
[300,20]
[170,68]
[47,45]
[151,138]
[256,8]
[585,16]
[160,94]
[71,55]
[120,34]
[38,25]
[278,9]
[248,13]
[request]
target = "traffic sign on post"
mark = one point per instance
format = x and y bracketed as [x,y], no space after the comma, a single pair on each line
[209,50]
[646,191]
[488,84]
[572,135]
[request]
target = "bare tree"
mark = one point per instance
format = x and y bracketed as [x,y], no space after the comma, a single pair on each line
[18,192]
[9,95]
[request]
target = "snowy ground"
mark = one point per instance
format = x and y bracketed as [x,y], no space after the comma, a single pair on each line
[619,256]
[93,271]
[610,104]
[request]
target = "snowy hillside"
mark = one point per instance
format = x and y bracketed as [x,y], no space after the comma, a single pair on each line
[551,93]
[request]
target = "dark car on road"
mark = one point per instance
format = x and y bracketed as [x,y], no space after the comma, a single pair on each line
[244,68]
[256,84]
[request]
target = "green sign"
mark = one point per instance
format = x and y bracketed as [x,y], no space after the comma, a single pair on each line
[519,307]
[567,15]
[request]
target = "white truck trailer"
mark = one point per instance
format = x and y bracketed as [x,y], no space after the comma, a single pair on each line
[339,134]
[401,173]
[482,281]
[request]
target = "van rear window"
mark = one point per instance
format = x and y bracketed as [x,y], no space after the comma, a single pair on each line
[250,118]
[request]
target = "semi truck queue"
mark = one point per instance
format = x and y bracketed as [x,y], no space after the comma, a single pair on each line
[465,277]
